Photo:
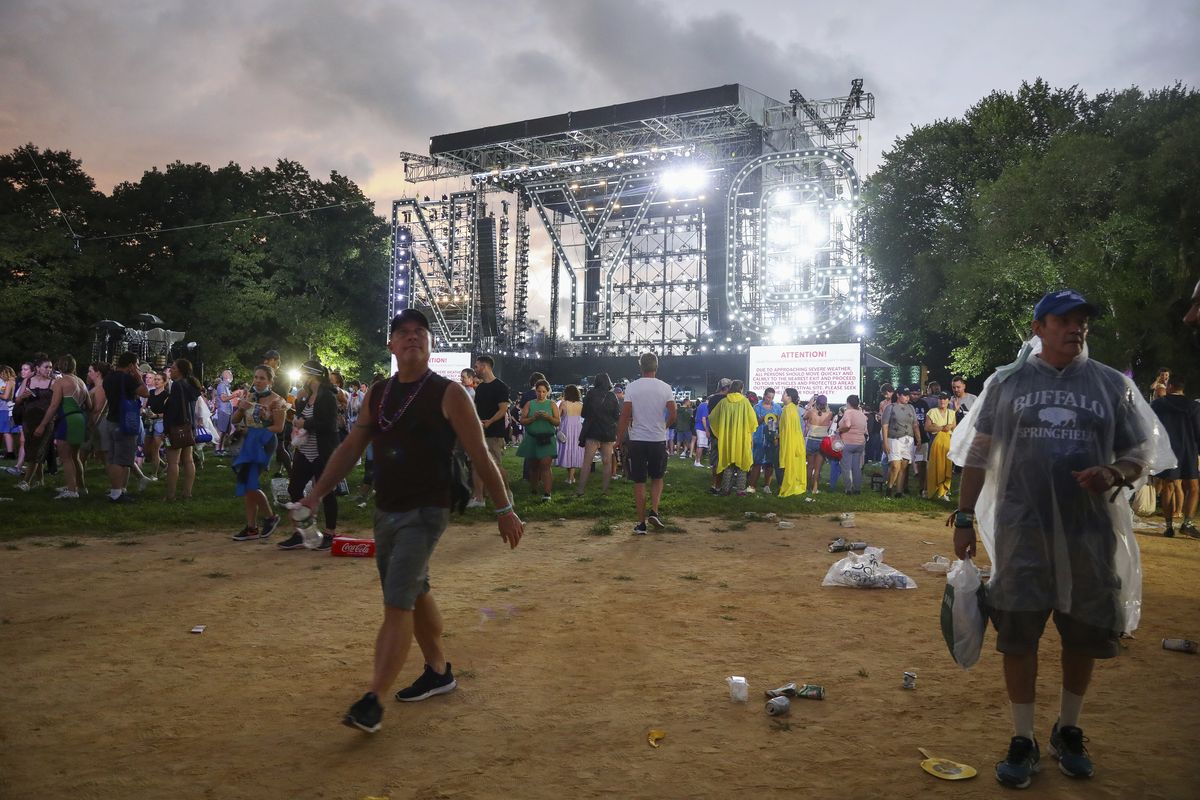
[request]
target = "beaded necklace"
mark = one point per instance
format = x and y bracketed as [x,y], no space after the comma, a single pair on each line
[385,422]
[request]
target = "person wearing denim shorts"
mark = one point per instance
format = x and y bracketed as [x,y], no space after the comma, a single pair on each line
[411,421]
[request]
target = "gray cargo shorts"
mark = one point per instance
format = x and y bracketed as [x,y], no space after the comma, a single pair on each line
[404,543]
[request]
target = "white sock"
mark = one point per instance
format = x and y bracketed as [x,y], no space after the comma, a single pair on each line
[1069,709]
[114,493]
[1022,717]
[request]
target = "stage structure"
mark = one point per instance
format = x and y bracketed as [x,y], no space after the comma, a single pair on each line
[699,222]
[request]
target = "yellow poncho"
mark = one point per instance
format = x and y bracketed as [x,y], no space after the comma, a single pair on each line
[792,458]
[733,422]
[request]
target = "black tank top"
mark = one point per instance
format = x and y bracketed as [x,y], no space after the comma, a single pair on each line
[412,457]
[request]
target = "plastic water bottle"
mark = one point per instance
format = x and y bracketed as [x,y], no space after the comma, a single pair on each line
[306,525]
[739,689]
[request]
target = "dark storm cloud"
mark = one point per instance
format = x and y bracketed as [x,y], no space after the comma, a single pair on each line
[128,85]
[637,49]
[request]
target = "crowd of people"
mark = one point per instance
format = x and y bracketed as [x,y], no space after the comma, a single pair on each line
[1043,450]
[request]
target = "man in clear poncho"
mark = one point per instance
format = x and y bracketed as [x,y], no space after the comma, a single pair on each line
[1045,453]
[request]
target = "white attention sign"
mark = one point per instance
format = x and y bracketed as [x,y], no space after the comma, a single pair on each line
[833,370]
[448,365]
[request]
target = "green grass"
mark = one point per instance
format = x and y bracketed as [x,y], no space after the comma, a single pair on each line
[215,507]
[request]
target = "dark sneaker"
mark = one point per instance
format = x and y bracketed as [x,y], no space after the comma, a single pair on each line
[293,542]
[269,525]
[246,534]
[1016,771]
[326,542]
[429,684]
[1066,745]
[366,714]
[1189,529]
[125,497]
[1169,532]
[654,520]
[546,498]
[640,529]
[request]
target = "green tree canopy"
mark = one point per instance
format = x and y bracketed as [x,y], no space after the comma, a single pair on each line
[307,284]
[972,220]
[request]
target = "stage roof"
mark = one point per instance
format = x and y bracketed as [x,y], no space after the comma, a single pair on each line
[733,105]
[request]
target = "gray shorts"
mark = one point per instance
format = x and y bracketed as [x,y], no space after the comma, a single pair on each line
[120,449]
[404,542]
[1018,633]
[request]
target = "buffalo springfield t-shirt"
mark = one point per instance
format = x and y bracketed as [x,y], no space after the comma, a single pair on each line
[488,397]
[1042,424]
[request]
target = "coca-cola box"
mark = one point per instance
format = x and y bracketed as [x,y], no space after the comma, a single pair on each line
[353,548]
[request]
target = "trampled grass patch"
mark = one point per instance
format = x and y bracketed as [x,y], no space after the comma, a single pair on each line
[214,505]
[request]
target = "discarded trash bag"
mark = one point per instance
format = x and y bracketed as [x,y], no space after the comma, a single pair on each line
[867,571]
[963,617]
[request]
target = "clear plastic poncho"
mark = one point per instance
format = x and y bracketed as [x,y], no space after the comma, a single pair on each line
[1052,543]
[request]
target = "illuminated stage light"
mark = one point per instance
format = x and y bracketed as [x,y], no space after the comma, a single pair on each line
[685,179]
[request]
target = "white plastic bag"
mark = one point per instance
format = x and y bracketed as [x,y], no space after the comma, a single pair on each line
[866,570]
[279,488]
[963,621]
[1145,502]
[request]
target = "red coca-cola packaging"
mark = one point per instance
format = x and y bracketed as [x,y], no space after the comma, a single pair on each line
[354,548]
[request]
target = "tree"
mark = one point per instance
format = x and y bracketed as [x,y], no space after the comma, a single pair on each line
[972,220]
[47,288]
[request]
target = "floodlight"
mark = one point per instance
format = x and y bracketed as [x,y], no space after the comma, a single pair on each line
[689,178]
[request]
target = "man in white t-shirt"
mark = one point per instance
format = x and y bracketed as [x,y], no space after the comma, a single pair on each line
[647,413]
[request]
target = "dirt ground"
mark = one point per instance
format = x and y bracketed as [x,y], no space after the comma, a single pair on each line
[568,650]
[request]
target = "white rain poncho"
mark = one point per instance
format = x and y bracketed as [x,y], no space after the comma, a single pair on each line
[1052,543]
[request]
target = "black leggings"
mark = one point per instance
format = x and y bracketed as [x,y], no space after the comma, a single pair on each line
[304,470]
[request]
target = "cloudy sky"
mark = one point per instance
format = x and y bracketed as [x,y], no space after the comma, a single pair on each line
[130,84]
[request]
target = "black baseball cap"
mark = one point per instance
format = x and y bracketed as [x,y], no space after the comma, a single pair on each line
[409,315]
[1061,302]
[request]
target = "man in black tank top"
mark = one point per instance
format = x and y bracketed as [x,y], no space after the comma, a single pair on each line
[412,420]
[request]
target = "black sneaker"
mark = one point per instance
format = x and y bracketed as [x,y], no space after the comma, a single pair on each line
[1017,769]
[1189,529]
[293,542]
[640,529]
[1169,532]
[715,492]
[246,534]
[1066,745]
[269,525]
[654,520]
[366,714]
[326,542]
[429,684]
[125,497]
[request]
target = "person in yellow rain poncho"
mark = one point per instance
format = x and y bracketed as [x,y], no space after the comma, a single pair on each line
[734,422]
[793,462]
[939,423]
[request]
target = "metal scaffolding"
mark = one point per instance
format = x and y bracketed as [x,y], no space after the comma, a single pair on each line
[720,215]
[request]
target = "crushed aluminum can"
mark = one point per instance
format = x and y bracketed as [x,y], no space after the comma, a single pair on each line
[910,680]
[1180,645]
[810,691]
[787,690]
[778,706]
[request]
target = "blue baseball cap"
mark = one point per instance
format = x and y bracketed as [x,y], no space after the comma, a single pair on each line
[1061,302]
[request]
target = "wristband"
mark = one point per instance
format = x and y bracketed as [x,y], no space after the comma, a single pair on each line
[500,512]
[964,519]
